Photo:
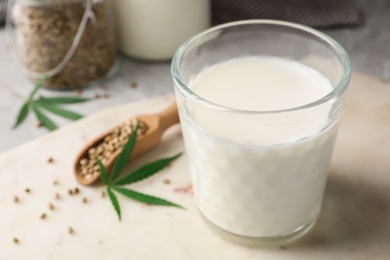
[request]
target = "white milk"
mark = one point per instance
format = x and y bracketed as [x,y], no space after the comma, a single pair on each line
[154,29]
[253,175]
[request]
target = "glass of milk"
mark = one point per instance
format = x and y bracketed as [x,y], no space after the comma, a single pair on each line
[259,104]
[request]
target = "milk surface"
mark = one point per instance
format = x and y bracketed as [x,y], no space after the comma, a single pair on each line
[261,84]
[259,175]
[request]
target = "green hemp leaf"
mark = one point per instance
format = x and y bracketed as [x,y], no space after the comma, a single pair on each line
[51,105]
[139,174]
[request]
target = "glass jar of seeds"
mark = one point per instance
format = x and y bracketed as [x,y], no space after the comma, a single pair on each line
[69,42]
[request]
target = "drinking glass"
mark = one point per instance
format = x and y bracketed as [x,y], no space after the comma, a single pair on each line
[259,176]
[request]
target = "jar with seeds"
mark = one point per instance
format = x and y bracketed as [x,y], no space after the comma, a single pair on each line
[69,42]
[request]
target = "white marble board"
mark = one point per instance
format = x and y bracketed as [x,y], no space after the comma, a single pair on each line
[354,222]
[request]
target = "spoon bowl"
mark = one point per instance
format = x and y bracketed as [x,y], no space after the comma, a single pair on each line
[156,123]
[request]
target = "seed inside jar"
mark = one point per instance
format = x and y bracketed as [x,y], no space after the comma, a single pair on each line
[47,31]
[110,144]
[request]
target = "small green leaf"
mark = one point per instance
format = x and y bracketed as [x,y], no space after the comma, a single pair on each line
[125,154]
[146,170]
[59,111]
[62,100]
[23,112]
[38,86]
[102,171]
[49,104]
[114,202]
[144,198]
[43,118]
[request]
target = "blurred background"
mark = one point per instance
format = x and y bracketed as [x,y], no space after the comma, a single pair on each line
[361,26]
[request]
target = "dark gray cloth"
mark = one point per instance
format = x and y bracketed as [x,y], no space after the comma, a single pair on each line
[314,13]
[3,11]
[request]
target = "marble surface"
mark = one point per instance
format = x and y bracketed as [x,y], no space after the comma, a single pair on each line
[354,222]
[367,45]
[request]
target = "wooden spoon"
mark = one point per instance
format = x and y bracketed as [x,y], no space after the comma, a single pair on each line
[157,124]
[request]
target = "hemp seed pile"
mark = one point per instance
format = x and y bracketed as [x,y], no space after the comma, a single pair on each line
[109,145]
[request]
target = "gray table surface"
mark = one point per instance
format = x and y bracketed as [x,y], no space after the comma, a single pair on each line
[368,47]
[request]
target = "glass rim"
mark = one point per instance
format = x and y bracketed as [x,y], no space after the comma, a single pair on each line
[333,44]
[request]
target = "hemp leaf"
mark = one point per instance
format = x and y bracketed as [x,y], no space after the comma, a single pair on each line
[139,174]
[51,105]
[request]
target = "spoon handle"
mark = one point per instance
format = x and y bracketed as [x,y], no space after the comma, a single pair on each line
[169,117]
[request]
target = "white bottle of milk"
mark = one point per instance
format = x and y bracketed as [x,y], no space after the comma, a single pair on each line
[154,29]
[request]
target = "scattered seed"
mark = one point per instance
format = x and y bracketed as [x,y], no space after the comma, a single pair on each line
[76,190]
[27,190]
[133,84]
[103,194]
[70,230]
[105,95]
[43,216]
[55,182]
[97,96]
[77,91]
[104,86]
[70,191]
[15,240]
[50,160]
[51,206]
[85,200]
[39,124]
[166,181]
[16,199]
[57,196]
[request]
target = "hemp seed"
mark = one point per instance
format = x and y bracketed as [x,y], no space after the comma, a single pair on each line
[70,230]
[77,91]
[83,162]
[110,144]
[133,84]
